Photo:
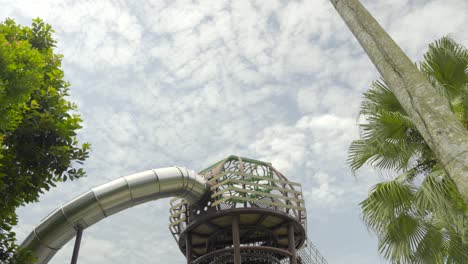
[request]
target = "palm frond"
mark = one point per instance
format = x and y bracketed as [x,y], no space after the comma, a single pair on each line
[386,124]
[386,142]
[412,224]
[359,153]
[446,63]
[456,246]
[386,202]
[429,248]
[380,97]
[382,155]
[439,194]
[400,238]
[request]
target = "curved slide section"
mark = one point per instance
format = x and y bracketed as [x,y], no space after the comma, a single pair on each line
[61,225]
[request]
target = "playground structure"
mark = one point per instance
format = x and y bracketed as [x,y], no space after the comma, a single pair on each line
[236,211]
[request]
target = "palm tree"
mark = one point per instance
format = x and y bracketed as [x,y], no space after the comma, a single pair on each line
[429,111]
[419,216]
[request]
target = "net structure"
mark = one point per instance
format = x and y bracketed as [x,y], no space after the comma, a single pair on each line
[308,254]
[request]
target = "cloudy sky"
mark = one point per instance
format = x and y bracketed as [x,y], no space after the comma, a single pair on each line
[162,83]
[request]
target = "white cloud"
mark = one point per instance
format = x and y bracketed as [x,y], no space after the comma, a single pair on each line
[161,83]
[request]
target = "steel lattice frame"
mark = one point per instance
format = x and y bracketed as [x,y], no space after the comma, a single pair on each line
[269,209]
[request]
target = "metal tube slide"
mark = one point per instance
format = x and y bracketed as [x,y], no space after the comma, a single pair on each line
[60,226]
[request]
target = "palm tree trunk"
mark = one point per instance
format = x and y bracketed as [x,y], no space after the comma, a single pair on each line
[430,112]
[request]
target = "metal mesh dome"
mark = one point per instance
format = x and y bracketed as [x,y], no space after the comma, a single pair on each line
[268,211]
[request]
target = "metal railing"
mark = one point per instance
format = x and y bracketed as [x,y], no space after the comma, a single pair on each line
[310,254]
[242,183]
[248,255]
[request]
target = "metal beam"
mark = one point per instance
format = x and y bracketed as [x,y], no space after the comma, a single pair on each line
[76,248]
[261,219]
[292,244]
[188,248]
[236,239]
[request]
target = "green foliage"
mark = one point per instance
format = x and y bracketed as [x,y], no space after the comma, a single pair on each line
[21,69]
[38,145]
[419,217]
[418,222]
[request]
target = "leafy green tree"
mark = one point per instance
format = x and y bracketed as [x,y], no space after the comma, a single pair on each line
[38,145]
[419,217]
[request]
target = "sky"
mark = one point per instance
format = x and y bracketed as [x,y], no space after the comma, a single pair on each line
[187,83]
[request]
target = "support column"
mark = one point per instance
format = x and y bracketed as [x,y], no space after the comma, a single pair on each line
[236,239]
[292,244]
[188,247]
[76,248]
